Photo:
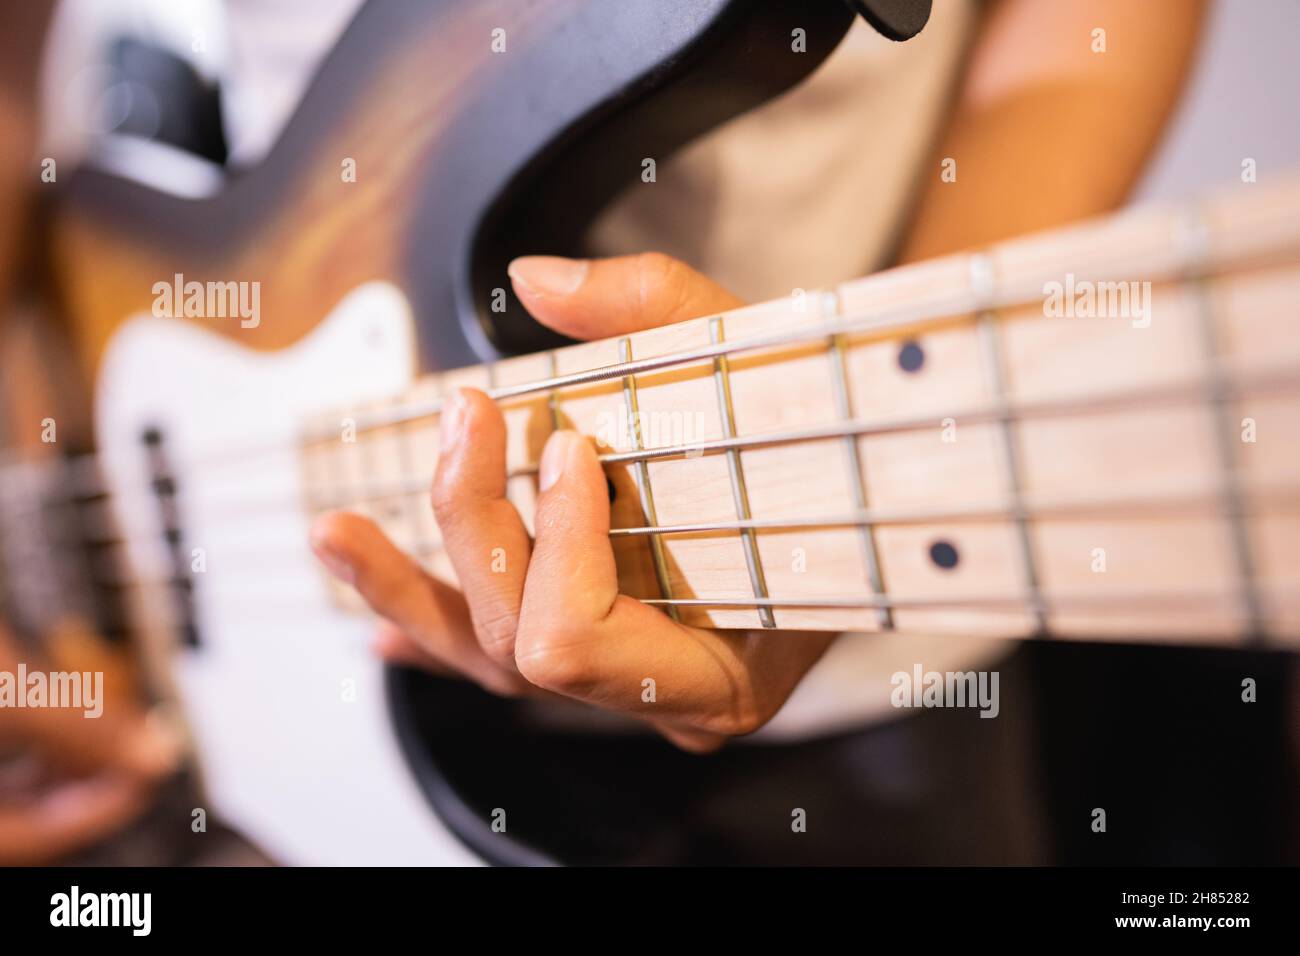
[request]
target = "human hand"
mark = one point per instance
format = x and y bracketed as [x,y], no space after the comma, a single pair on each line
[554,621]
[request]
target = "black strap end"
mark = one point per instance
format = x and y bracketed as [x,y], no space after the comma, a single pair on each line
[896,19]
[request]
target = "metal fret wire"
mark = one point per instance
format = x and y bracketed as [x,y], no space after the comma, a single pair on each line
[1193,236]
[983,281]
[857,474]
[739,492]
[553,398]
[643,479]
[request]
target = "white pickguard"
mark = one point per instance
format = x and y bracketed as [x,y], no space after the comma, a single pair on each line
[283,696]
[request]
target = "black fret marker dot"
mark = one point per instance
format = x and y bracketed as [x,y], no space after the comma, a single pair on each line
[943,554]
[911,357]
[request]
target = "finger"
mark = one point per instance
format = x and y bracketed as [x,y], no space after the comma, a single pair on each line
[485,538]
[579,637]
[69,816]
[432,613]
[572,577]
[394,645]
[597,298]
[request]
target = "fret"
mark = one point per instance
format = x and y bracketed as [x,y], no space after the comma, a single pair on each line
[365,461]
[1255,318]
[642,475]
[422,441]
[529,423]
[1192,234]
[1233,502]
[857,474]
[553,396]
[333,457]
[420,446]
[643,479]
[417,505]
[727,413]
[1144,446]
[982,280]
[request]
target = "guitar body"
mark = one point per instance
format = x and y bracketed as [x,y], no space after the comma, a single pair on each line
[463,158]
[284,699]
[377,229]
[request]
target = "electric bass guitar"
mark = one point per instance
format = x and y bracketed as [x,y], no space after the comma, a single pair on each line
[1086,435]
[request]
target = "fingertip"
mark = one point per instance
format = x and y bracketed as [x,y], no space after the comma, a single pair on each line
[554,454]
[329,538]
[480,412]
[547,276]
[552,290]
[565,452]
[329,529]
[389,643]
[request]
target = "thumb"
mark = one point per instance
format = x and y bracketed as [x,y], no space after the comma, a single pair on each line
[597,298]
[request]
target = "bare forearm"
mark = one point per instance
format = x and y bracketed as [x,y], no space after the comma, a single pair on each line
[1048,129]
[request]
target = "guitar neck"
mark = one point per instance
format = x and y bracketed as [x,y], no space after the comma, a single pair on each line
[1093,433]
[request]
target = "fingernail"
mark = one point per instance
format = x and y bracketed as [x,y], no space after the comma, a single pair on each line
[453,417]
[549,275]
[333,560]
[554,457]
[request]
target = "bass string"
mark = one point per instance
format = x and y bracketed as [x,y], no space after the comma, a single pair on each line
[867,324]
[1196,501]
[1134,602]
[242,507]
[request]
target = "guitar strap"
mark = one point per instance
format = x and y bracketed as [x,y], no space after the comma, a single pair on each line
[895,19]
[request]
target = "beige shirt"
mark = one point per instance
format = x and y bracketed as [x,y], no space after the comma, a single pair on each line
[814,187]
